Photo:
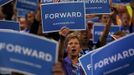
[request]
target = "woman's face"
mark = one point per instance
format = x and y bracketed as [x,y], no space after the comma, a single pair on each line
[125,19]
[73,47]
[105,18]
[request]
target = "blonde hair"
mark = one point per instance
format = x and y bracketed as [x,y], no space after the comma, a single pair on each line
[73,35]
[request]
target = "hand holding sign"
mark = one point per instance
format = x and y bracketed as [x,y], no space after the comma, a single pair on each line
[64,31]
[106,30]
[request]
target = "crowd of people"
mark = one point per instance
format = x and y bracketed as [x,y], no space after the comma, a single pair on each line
[74,44]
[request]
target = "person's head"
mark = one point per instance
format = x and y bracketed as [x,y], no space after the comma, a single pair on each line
[8,10]
[125,18]
[83,35]
[23,23]
[118,35]
[30,17]
[121,8]
[72,44]
[104,18]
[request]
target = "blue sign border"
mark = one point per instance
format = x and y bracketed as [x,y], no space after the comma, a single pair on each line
[5,2]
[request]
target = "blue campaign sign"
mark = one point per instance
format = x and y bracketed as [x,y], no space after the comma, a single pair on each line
[9,25]
[22,12]
[3,2]
[121,1]
[116,58]
[27,53]
[98,29]
[85,62]
[97,7]
[57,15]
[31,5]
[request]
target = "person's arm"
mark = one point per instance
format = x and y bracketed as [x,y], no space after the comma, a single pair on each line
[105,33]
[37,22]
[58,66]
[63,33]
[58,69]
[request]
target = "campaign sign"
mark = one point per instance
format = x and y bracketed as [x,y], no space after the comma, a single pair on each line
[57,15]
[3,2]
[98,30]
[9,25]
[31,5]
[22,12]
[27,53]
[97,7]
[116,58]
[85,62]
[121,1]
